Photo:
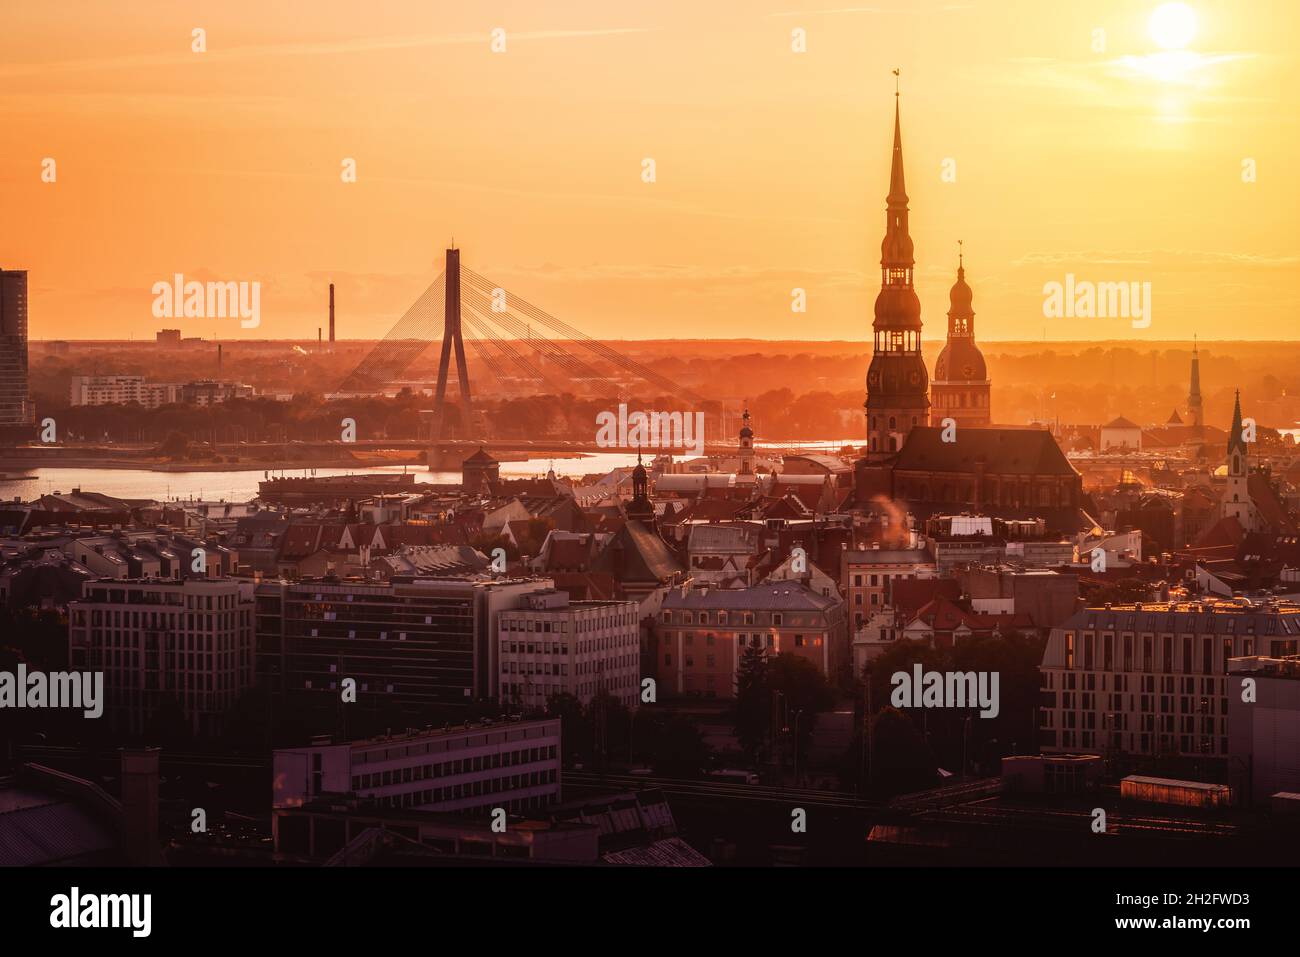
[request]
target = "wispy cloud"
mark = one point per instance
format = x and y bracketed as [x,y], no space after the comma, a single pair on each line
[911,9]
[1157,257]
[359,45]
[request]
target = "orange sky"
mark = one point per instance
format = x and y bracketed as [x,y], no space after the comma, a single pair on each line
[772,166]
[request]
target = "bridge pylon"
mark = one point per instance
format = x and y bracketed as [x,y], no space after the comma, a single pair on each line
[451,337]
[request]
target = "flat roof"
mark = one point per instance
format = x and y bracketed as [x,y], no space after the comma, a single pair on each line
[454,730]
[1174,783]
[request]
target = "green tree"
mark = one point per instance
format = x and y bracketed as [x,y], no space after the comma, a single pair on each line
[803,693]
[175,446]
[575,727]
[902,760]
[672,744]
[753,707]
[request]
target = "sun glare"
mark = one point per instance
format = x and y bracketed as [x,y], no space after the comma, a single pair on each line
[1172,25]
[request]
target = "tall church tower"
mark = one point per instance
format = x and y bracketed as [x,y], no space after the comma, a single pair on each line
[897,382]
[1237,502]
[961,387]
[746,450]
[1194,409]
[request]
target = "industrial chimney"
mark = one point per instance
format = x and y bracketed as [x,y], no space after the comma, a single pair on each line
[331,317]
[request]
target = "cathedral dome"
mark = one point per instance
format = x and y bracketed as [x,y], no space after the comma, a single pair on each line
[960,361]
[960,298]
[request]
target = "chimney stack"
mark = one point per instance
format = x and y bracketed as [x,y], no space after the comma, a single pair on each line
[331,315]
[140,805]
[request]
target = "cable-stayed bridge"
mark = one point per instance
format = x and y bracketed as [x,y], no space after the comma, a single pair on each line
[521,345]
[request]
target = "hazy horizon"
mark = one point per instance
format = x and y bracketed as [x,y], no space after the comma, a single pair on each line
[1047,148]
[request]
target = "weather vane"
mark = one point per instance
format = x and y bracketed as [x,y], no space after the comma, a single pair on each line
[895,81]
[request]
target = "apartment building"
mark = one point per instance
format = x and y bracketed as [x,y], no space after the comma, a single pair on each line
[1150,678]
[702,633]
[869,574]
[119,390]
[552,645]
[191,640]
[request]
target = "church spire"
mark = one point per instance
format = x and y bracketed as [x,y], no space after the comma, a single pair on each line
[1194,404]
[1235,438]
[898,384]
[897,186]
[896,259]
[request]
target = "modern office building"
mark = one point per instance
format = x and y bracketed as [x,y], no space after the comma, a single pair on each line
[513,765]
[1264,725]
[17,415]
[551,645]
[1151,678]
[409,643]
[191,640]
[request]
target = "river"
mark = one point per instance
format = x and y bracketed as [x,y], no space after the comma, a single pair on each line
[241,485]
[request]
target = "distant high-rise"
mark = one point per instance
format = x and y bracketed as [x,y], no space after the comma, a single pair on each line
[16,411]
[331,313]
[898,385]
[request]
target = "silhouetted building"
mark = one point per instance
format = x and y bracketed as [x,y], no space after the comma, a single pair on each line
[1000,472]
[154,640]
[479,471]
[409,644]
[1195,409]
[961,388]
[16,411]
[897,380]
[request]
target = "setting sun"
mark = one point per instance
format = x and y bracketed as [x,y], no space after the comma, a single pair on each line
[1172,25]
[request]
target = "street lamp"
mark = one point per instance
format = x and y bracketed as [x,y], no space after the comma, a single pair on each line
[965,740]
[797,715]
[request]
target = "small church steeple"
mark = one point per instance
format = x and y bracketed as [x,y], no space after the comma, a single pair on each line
[1237,502]
[746,445]
[640,509]
[1195,410]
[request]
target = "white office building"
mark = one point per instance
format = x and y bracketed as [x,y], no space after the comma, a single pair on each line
[551,645]
[513,765]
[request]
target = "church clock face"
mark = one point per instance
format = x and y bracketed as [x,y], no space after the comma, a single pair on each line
[967,371]
[873,379]
[914,377]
